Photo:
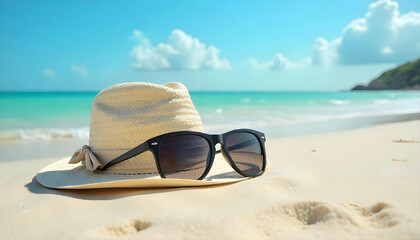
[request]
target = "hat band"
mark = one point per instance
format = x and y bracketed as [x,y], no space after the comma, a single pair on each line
[93,159]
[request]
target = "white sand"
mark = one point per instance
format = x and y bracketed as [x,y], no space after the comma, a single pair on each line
[358,184]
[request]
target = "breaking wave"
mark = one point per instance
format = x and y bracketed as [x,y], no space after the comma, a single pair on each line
[43,134]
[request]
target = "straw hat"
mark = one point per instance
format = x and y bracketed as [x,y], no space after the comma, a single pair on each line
[122,117]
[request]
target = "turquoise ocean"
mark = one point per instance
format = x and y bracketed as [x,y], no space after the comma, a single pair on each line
[58,115]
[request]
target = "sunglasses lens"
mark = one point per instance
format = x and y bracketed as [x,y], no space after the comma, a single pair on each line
[246,152]
[184,156]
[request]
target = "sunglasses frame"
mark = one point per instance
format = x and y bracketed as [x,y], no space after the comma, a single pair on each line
[154,144]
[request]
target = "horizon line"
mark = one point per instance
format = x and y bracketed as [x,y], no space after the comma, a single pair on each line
[190,91]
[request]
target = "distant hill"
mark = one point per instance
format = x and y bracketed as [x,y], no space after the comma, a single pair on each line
[404,77]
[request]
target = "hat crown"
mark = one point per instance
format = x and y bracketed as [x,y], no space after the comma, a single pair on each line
[125,115]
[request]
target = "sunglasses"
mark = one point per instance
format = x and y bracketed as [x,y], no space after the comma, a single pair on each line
[190,155]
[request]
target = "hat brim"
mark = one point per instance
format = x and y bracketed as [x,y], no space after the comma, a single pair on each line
[61,175]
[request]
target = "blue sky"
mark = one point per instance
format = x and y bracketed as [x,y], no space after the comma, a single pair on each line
[207,45]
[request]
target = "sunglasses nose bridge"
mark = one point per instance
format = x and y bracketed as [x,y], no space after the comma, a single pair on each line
[217,139]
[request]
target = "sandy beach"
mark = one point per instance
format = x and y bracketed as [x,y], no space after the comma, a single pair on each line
[115,117]
[356,184]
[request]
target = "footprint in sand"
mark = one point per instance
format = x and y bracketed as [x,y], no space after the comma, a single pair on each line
[123,229]
[311,215]
[405,141]
[399,160]
[285,184]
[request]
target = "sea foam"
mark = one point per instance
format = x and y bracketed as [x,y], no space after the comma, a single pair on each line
[43,134]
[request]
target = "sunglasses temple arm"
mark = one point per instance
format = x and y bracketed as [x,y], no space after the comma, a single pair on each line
[129,154]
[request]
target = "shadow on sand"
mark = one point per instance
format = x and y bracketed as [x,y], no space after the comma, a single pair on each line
[107,193]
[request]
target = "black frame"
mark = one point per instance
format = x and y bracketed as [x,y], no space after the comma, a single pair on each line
[153,145]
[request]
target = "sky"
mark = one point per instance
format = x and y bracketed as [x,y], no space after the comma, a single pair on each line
[48,45]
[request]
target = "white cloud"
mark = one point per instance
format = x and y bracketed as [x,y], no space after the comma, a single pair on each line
[139,36]
[80,70]
[387,50]
[182,52]
[48,72]
[326,52]
[279,62]
[382,36]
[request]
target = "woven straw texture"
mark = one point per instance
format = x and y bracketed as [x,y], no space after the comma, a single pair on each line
[125,115]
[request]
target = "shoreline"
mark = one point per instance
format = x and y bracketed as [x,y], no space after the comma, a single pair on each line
[360,183]
[66,146]
[339,125]
[82,133]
